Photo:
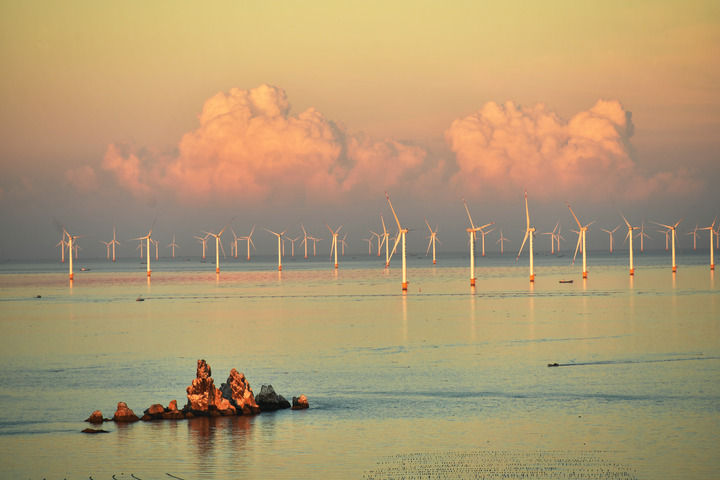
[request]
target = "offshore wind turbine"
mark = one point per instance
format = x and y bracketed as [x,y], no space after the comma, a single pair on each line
[114,242]
[433,238]
[202,240]
[157,254]
[667,238]
[292,245]
[370,244]
[694,235]
[107,249]
[629,236]
[642,236]
[248,238]
[62,244]
[147,239]
[581,236]
[483,233]
[343,244]
[472,232]
[69,243]
[386,241]
[314,240]
[611,232]
[552,237]
[279,237]
[401,236]
[333,245]
[502,241]
[673,234]
[529,232]
[140,248]
[305,239]
[173,246]
[711,228]
[218,247]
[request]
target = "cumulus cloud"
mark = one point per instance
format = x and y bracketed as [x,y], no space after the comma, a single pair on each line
[509,147]
[248,146]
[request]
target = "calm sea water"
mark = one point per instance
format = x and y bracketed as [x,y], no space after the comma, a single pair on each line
[439,380]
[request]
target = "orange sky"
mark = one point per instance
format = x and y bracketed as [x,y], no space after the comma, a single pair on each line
[178,105]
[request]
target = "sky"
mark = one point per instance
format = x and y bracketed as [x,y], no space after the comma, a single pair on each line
[189,116]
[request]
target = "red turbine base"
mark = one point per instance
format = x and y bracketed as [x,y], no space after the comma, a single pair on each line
[404,286]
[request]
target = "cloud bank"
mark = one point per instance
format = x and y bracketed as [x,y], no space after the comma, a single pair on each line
[249,147]
[509,147]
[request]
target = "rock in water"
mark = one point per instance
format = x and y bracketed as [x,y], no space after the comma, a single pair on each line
[269,401]
[124,414]
[300,403]
[93,430]
[238,392]
[203,398]
[95,417]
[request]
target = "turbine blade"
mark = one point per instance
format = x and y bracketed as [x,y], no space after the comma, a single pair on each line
[577,247]
[527,232]
[574,216]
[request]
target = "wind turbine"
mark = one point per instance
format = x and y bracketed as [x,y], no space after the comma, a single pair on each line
[305,239]
[157,254]
[202,240]
[62,244]
[107,249]
[218,247]
[333,245]
[140,248]
[234,244]
[611,232]
[248,238]
[483,233]
[642,236]
[711,228]
[279,237]
[343,244]
[667,238]
[630,237]
[472,233]
[502,241]
[694,235]
[433,238]
[529,232]
[673,229]
[314,240]
[147,239]
[401,236]
[552,237]
[292,245]
[69,244]
[581,237]
[370,244]
[173,245]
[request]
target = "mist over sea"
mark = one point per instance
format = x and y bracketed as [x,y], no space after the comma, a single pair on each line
[444,381]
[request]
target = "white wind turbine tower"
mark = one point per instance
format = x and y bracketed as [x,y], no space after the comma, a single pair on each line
[62,244]
[314,240]
[667,238]
[552,237]
[642,236]
[157,245]
[711,228]
[694,235]
[218,247]
[433,238]
[69,244]
[248,238]
[472,231]
[107,249]
[370,244]
[629,236]
[292,245]
[374,235]
[343,244]
[401,236]
[140,248]
[234,244]
[305,239]
[529,232]
[173,246]
[673,234]
[483,233]
[611,232]
[581,237]
[502,241]
[202,240]
[114,242]
[148,240]
[279,237]
[333,245]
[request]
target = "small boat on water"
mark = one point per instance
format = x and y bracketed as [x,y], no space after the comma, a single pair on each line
[565,281]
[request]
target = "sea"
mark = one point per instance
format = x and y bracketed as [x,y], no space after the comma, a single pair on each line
[613,376]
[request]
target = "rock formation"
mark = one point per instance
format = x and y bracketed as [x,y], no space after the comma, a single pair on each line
[95,417]
[300,403]
[124,414]
[237,390]
[269,401]
[203,398]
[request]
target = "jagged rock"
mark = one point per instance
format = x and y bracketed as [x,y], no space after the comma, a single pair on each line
[172,406]
[300,403]
[94,430]
[238,392]
[269,401]
[155,409]
[95,417]
[124,414]
[203,397]
[173,415]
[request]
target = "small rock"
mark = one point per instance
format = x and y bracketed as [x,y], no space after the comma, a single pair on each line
[95,417]
[269,401]
[124,413]
[155,409]
[94,430]
[300,403]
[172,406]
